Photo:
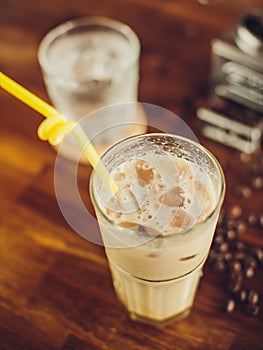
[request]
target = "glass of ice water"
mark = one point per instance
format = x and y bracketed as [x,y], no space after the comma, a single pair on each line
[89,63]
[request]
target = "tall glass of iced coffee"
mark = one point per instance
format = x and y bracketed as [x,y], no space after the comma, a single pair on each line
[158,228]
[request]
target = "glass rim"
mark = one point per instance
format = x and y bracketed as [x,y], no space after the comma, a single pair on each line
[62,29]
[219,199]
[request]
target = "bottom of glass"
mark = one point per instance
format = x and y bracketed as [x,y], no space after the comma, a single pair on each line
[155,302]
[160,323]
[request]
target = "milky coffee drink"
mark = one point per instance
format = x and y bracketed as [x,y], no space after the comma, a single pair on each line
[158,228]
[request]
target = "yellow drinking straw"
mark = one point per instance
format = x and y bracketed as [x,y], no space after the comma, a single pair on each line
[55,127]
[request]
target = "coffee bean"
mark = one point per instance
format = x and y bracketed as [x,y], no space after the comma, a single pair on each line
[256,163]
[239,246]
[230,306]
[228,256]
[241,296]
[221,218]
[240,260]
[243,191]
[236,266]
[220,231]
[252,219]
[245,157]
[231,234]
[252,310]
[257,182]
[231,224]
[236,281]
[249,271]
[241,227]
[253,297]
[240,255]
[220,265]
[219,239]
[213,254]
[223,247]
[259,254]
[235,212]
[250,261]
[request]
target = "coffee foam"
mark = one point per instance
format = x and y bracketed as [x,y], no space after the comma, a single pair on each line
[159,194]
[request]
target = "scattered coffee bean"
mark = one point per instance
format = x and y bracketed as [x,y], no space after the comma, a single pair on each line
[236,266]
[231,234]
[228,256]
[259,254]
[252,219]
[223,248]
[252,310]
[230,306]
[219,239]
[241,226]
[240,255]
[231,224]
[220,265]
[245,157]
[239,246]
[236,258]
[253,297]
[213,254]
[249,271]
[257,182]
[236,281]
[235,212]
[243,191]
[250,261]
[241,295]
[220,231]
[221,218]
[256,163]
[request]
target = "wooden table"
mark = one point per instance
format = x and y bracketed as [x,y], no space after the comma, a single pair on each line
[55,286]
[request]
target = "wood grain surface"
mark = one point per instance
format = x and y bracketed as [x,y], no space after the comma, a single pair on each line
[55,286]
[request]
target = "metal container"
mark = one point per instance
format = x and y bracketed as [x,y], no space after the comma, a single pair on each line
[234,115]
